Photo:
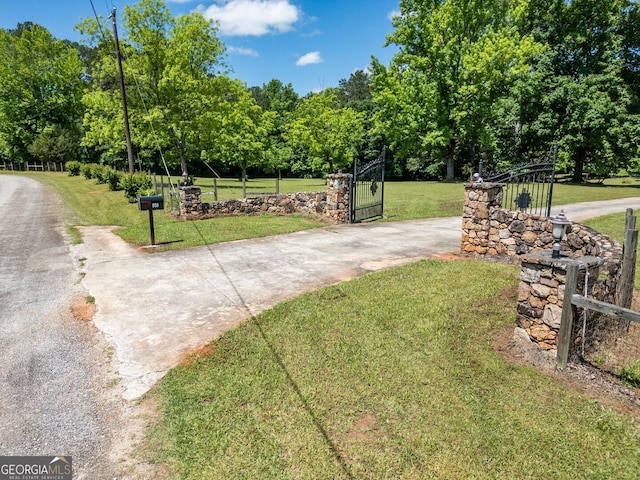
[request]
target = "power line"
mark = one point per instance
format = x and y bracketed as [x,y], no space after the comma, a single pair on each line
[95,14]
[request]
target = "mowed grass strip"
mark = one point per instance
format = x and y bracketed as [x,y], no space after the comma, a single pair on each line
[92,204]
[392,375]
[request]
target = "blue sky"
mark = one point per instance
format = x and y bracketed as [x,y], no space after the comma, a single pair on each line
[311,44]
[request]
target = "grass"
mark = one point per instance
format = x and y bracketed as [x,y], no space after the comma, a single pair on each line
[613,226]
[392,375]
[93,204]
[630,374]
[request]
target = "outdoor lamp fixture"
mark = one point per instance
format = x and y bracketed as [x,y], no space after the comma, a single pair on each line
[560,224]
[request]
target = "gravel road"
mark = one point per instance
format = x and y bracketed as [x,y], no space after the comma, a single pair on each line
[52,387]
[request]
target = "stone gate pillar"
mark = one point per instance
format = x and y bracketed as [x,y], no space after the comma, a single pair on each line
[541,294]
[190,199]
[477,226]
[338,197]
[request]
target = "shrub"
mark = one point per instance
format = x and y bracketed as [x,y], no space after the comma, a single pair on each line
[112,178]
[91,170]
[73,168]
[134,185]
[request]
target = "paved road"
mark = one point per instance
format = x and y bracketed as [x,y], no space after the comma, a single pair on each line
[155,308]
[50,390]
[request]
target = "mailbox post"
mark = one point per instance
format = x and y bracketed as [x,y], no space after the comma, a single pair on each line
[151,203]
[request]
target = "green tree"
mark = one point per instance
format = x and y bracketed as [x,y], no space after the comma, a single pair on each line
[275,96]
[456,59]
[170,66]
[40,93]
[281,100]
[324,134]
[576,94]
[236,128]
[54,144]
[355,93]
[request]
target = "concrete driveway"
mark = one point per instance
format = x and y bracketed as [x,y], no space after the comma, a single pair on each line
[154,308]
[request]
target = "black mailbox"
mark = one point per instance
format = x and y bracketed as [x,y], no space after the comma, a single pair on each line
[154,202]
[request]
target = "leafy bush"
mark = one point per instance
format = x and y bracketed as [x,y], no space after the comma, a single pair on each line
[112,178]
[134,185]
[73,168]
[91,170]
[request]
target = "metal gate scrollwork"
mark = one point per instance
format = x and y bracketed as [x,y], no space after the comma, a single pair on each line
[367,190]
[529,188]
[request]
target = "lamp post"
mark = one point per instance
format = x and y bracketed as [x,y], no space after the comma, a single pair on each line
[560,224]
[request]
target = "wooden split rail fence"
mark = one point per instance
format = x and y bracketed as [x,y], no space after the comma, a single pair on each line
[572,300]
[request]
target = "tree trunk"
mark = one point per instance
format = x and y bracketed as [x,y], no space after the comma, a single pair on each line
[244,181]
[450,168]
[451,151]
[579,157]
[183,162]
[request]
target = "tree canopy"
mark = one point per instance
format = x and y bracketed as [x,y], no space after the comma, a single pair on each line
[576,94]
[324,134]
[456,59]
[40,95]
[498,81]
[170,66]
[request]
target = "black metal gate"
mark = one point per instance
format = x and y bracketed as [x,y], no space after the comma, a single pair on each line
[529,188]
[367,190]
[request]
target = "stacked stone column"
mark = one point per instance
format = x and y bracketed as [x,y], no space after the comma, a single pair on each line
[541,294]
[477,226]
[190,200]
[338,197]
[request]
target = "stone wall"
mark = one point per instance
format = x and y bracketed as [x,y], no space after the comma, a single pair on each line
[331,206]
[489,229]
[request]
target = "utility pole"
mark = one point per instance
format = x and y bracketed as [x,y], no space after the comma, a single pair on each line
[123,93]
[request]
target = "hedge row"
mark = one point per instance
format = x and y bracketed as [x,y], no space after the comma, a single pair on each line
[133,186]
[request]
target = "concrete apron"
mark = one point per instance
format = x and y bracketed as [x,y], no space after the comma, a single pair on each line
[155,308]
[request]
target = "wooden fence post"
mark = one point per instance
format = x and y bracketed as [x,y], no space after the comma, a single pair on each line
[629,253]
[568,311]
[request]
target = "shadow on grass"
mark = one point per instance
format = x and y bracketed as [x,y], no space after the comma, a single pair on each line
[303,400]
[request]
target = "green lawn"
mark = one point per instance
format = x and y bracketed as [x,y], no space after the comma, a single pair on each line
[392,375]
[91,204]
[613,225]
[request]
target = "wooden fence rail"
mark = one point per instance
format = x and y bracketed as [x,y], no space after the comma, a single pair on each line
[572,300]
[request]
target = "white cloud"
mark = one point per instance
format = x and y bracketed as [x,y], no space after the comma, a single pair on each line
[179,1]
[312,34]
[393,13]
[250,52]
[309,59]
[253,17]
